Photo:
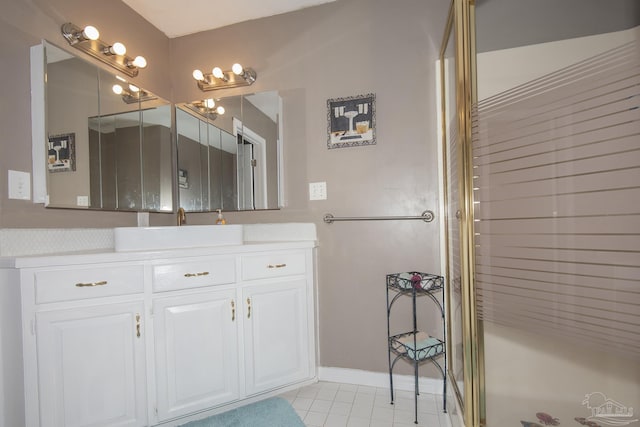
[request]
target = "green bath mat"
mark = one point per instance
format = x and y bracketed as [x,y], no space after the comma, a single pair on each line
[274,412]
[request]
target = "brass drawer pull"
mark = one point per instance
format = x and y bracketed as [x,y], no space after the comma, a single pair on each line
[84,285]
[233,310]
[248,308]
[138,325]
[276,266]
[204,273]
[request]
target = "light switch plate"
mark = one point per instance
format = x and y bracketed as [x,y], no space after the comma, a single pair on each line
[317,191]
[19,185]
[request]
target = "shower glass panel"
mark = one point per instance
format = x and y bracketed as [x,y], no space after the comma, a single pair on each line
[451,151]
[556,156]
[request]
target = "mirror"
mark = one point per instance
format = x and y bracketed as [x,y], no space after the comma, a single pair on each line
[229,160]
[109,142]
[202,160]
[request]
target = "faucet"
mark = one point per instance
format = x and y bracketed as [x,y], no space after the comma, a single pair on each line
[182,217]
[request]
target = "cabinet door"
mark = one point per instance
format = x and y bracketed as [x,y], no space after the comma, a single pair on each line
[196,342]
[91,363]
[276,334]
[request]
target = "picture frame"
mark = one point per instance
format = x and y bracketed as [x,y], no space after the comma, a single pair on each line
[351,121]
[61,151]
[183,178]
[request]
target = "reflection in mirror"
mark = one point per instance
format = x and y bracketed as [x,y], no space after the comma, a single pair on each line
[72,96]
[130,156]
[233,152]
[206,160]
[120,152]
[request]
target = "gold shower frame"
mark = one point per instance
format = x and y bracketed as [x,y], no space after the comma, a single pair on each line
[461,25]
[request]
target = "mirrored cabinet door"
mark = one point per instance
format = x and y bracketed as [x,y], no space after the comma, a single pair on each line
[215,167]
[120,135]
[71,99]
[193,161]
[258,145]
[228,171]
[243,151]
[157,156]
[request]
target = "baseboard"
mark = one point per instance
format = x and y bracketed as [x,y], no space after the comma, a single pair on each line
[379,379]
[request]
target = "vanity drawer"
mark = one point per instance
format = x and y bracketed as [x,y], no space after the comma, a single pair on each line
[193,274]
[91,282]
[276,264]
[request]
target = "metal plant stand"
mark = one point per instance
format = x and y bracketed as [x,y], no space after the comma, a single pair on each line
[416,346]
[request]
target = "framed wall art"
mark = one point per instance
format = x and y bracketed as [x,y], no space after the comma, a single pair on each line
[62,153]
[183,178]
[351,121]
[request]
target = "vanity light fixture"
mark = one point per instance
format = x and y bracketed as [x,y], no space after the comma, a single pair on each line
[218,79]
[87,40]
[133,94]
[207,108]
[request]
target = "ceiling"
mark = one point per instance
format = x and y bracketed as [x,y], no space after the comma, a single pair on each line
[177,18]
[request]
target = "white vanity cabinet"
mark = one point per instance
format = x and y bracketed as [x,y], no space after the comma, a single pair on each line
[153,338]
[210,336]
[85,361]
[91,366]
[196,352]
[276,303]
[276,339]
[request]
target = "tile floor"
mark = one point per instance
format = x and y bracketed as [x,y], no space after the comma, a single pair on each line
[328,404]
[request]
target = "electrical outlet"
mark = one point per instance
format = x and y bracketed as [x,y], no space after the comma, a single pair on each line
[19,185]
[317,191]
[82,201]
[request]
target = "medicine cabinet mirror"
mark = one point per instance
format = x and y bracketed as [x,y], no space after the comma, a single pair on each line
[108,145]
[229,160]
[108,142]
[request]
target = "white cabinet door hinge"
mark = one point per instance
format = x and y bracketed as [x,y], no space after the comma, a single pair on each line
[138,325]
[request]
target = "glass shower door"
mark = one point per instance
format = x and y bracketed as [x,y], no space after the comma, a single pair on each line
[556,161]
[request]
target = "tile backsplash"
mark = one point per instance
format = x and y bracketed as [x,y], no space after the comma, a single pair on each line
[35,241]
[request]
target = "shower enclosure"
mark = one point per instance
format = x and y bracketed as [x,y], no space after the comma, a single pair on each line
[541,150]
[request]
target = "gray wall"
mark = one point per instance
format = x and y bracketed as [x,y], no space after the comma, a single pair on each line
[346,48]
[503,24]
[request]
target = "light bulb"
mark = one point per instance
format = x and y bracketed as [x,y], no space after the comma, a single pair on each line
[209,103]
[90,32]
[117,89]
[220,110]
[217,73]
[140,62]
[237,69]
[134,88]
[197,74]
[117,49]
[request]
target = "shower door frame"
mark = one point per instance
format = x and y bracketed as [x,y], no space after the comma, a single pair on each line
[461,26]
